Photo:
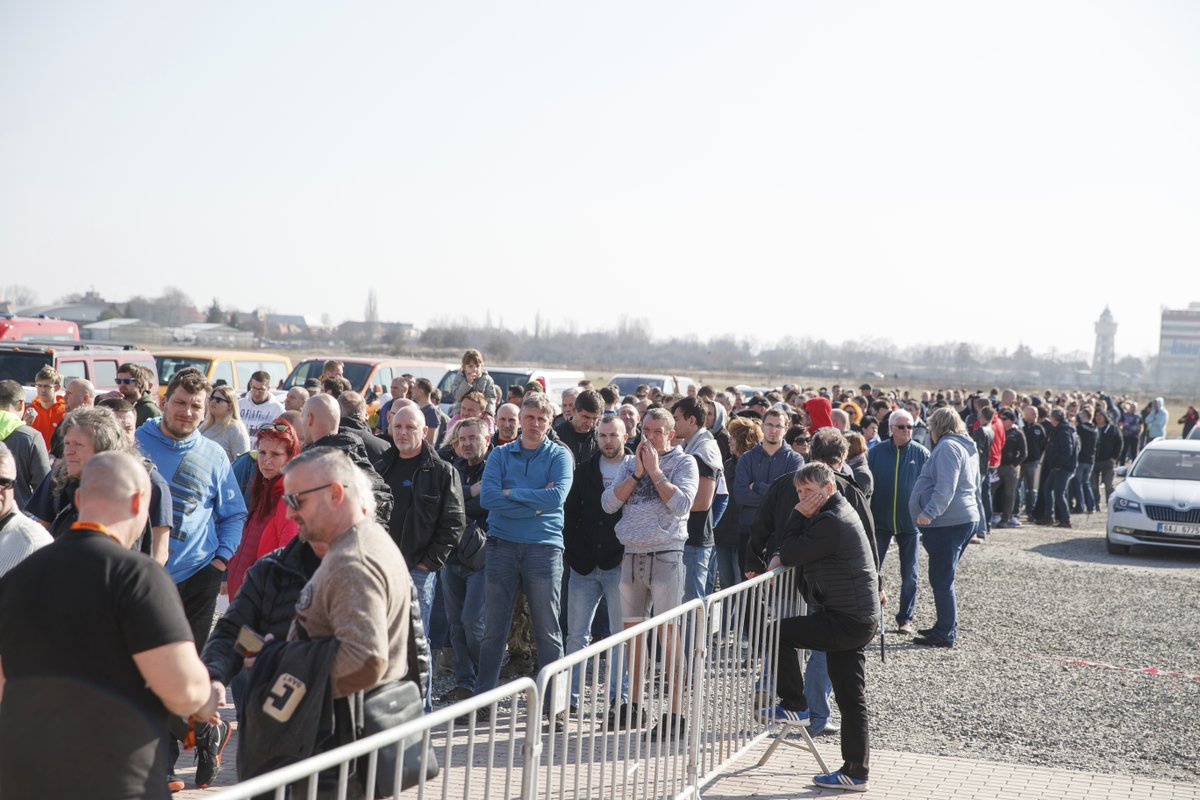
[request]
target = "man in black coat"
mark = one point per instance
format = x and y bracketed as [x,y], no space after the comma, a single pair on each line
[825,539]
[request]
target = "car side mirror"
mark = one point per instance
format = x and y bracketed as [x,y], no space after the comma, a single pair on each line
[1120,471]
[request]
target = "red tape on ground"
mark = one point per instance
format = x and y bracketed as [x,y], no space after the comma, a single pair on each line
[1141,671]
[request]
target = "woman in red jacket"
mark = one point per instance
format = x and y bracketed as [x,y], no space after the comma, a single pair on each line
[267,525]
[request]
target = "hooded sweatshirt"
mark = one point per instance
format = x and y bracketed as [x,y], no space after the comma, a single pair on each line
[1156,421]
[208,507]
[947,490]
[819,413]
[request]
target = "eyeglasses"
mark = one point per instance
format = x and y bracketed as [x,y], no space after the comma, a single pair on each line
[216,398]
[902,427]
[124,381]
[799,440]
[293,500]
[7,483]
[282,427]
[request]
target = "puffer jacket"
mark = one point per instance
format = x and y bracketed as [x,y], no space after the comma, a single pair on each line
[837,570]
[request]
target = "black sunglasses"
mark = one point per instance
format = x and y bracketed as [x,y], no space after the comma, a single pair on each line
[7,483]
[293,500]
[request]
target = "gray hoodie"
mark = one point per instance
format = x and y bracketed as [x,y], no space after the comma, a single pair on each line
[647,524]
[947,490]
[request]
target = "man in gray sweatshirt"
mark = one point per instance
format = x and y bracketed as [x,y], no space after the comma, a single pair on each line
[654,492]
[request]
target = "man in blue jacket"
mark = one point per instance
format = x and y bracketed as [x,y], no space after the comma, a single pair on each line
[209,513]
[525,486]
[895,463]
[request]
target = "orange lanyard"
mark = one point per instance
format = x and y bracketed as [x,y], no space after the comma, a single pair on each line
[94,526]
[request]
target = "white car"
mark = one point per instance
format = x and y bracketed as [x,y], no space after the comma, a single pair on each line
[1158,503]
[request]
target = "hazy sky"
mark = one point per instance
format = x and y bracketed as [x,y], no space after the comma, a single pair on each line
[994,172]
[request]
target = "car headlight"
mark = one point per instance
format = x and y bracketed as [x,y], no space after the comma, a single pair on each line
[1124,504]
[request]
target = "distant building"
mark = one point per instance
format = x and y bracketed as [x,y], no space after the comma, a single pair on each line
[1104,357]
[126,330]
[214,334]
[1179,348]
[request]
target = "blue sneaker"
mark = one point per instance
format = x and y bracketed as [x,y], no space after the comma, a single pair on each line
[840,780]
[785,716]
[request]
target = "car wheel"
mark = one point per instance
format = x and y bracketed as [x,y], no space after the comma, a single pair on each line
[1116,549]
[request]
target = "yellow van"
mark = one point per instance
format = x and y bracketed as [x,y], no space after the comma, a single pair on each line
[234,367]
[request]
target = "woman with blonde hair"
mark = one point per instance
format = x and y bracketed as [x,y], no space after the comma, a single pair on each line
[223,423]
[947,507]
[744,434]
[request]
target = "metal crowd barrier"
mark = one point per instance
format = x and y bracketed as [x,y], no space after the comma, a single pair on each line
[711,661]
[488,758]
[596,755]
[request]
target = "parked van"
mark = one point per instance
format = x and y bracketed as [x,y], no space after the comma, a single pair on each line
[363,372]
[556,381]
[20,362]
[234,367]
[627,383]
[45,329]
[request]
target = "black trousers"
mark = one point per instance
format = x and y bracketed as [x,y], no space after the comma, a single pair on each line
[199,596]
[842,639]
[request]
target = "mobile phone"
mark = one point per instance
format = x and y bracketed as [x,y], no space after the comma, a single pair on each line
[248,642]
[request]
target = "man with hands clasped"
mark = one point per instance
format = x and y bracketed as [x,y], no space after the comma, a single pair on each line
[654,492]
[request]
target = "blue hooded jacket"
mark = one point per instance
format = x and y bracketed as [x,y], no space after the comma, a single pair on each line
[208,507]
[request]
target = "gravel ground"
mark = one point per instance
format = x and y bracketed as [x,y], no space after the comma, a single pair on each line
[1031,600]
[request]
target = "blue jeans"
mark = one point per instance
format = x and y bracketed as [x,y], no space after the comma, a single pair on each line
[728,562]
[720,503]
[1083,487]
[584,593]
[985,526]
[945,545]
[462,593]
[696,561]
[907,545]
[511,566]
[817,689]
[425,583]
[1056,492]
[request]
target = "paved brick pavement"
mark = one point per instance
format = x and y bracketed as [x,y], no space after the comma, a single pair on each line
[908,776]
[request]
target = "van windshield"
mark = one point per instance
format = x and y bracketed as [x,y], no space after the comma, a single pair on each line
[169,365]
[628,385]
[22,367]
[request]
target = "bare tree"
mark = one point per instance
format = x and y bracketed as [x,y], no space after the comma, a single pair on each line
[19,296]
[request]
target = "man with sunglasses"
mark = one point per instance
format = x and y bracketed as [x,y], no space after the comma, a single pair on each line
[19,535]
[895,464]
[133,386]
[258,406]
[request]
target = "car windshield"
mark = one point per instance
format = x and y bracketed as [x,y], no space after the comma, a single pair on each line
[1170,465]
[22,367]
[355,372]
[169,365]
[629,385]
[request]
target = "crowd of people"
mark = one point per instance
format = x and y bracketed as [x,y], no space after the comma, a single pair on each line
[356,538]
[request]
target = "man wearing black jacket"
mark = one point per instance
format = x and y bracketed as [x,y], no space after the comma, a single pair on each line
[1031,467]
[825,539]
[578,433]
[1012,455]
[1108,450]
[462,585]
[1082,498]
[593,552]
[1061,459]
[427,516]
[321,428]
[354,420]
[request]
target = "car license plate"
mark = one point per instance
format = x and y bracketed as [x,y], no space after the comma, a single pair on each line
[1179,530]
